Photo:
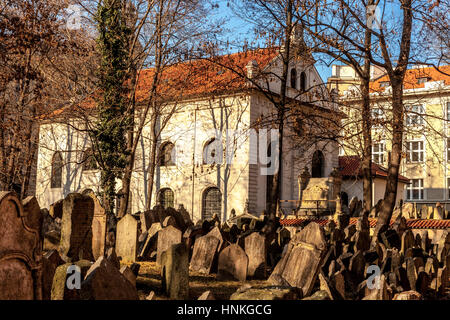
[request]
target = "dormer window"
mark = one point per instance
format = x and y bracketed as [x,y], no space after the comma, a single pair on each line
[384,84]
[423,80]
[294,78]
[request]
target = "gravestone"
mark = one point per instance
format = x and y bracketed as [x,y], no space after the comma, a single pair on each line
[127,238]
[50,262]
[76,227]
[66,274]
[166,238]
[150,242]
[408,241]
[147,220]
[255,248]
[233,263]
[175,271]
[98,226]
[20,251]
[300,265]
[205,249]
[103,281]
[169,221]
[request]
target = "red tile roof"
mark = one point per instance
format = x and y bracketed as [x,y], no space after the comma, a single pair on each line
[411,223]
[412,75]
[198,77]
[350,167]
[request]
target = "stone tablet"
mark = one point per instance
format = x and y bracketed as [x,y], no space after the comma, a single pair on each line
[150,242]
[175,272]
[50,262]
[20,254]
[98,227]
[233,263]
[76,227]
[255,248]
[300,265]
[127,238]
[205,249]
[166,238]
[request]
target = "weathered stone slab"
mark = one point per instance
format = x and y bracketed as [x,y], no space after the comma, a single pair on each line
[127,238]
[56,209]
[266,293]
[65,275]
[104,282]
[150,243]
[300,265]
[207,295]
[50,262]
[255,248]
[233,263]
[98,226]
[166,238]
[20,251]
[408,295]
[129,274]
[76,227]
[175,271]
[408,241]
[205,249]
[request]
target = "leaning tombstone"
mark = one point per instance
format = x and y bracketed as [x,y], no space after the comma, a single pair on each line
[67,280]
[300,265]
[205,249]
[127,238]
[20,249]
[50,262]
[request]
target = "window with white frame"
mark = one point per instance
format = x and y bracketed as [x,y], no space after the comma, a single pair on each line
[378,150]
[414,191]
[414,115]
[415,151]
[377,116]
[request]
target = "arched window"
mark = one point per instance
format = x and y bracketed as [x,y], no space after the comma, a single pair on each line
[165,155]
[211,203]
[166,198]
[89,162]
[303,81]
[318,163]
[57,167]
[293,78]
[212,152]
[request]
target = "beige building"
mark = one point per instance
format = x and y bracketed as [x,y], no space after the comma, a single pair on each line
[426,154]
[213,156]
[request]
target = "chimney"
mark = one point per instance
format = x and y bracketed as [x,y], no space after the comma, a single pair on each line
[252,69]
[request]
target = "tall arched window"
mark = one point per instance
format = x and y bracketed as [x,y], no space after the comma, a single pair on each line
[166,198]
[57,167]
[211,203]
[166,152]
[293,78]
[269,180]
[89,162]
[212,152]
[318,163]
[303,81]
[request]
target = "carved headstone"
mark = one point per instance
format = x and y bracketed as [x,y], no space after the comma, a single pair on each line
[76,227]
[127,238]
[233,263]
[300,265]
[20,250]
[205,249]
[50,262]
[98,226]
[166,238]
[255,248]
[175,272]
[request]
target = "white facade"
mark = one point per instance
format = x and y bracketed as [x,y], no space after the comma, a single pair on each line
[196,122]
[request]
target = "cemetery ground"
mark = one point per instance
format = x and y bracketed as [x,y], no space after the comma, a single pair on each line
[149,280]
